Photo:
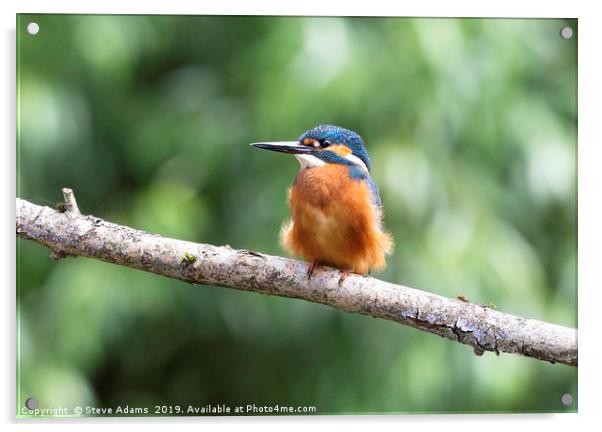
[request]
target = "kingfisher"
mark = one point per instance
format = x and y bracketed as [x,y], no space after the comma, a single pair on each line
[335,206]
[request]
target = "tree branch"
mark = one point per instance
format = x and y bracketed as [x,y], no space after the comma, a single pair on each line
[70,233]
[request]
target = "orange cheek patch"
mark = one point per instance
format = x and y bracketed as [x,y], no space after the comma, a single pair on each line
[341,150]
[308,142]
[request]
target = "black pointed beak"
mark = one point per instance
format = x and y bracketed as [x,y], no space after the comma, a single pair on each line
[291,147]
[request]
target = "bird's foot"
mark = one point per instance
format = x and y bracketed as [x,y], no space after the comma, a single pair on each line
[311,269]
[343,275]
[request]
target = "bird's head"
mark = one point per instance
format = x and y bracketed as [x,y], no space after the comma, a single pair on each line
[324,144]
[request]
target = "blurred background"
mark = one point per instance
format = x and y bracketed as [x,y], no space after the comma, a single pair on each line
[471,125]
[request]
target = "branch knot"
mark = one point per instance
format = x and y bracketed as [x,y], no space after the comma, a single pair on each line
[70,205]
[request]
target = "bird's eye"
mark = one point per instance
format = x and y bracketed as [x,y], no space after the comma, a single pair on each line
[324,143]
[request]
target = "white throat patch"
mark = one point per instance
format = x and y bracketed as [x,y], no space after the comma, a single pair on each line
[309,161]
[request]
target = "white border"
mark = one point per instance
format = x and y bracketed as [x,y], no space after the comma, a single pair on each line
[508,8]
[590,216]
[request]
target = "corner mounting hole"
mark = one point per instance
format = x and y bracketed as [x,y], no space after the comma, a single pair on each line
[566,399]
[32,403]
[566,32]
[33,28]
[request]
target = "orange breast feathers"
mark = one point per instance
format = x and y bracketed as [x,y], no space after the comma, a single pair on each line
[334,221]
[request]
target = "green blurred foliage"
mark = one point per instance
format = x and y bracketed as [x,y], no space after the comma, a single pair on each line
[471,125]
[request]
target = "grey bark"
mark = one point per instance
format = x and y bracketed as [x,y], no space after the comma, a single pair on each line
[67,232]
